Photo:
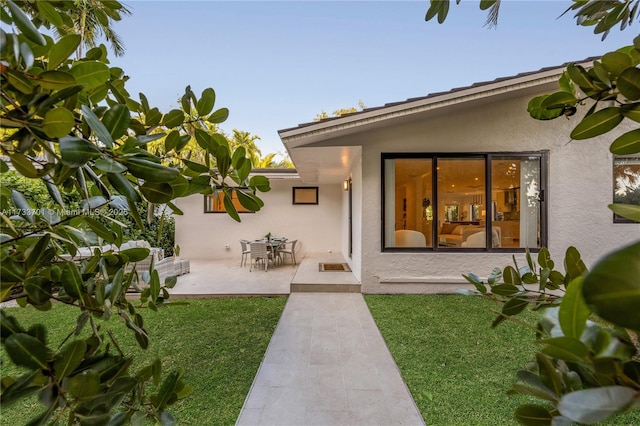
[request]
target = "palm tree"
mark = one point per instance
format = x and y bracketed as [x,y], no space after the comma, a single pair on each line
[93,19]
[240,138]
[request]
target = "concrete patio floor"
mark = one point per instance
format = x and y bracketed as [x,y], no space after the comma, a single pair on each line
[225,277]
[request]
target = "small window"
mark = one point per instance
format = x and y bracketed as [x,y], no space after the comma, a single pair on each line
[214,203]
[626,184]
[305,195]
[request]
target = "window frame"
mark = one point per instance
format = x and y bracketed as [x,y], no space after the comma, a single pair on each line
[295,189]
[487,156]
[234,196]
[619,219]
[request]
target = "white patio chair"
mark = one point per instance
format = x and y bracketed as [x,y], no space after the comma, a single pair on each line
[245,251]
[289,251]
[259,253]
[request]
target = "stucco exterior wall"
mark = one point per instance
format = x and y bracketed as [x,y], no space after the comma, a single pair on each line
[580,187]
[316,227]
[355,259]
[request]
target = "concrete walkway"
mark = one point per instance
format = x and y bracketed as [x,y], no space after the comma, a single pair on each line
[327,364]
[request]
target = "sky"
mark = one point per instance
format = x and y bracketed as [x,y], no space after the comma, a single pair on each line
[276,64]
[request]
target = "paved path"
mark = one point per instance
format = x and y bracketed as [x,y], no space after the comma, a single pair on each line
[327,364]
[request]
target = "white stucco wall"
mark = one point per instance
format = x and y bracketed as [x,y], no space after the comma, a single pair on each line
[316,227]
[355,260]
[580,187]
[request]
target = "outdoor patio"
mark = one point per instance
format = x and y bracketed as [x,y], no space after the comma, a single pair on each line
[225,277]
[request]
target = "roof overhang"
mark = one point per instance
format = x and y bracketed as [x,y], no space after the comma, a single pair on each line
[324,151]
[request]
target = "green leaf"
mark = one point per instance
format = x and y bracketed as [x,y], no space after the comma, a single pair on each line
[566,348]
[206,102]
[580,77]
[574,312]
[76,152]
[167,390]
[558,100]
[116,120]
[205,141]
[514,307]
[90,73]
[96,125]
[505,289]
[24,24]
[85,384]
[218,116]
[150,171]
[108,165]
[598,123]
[537,111]
[19,81]
[533,415]
[173,118]
[100,230]
[196,167]
[631,111]
[260,183]
[63,49]
[511,276]
[26,351]
[596,404]
[69,358]
[629,211]
[26,211]
[49,13]
[171,141]
[58,122]
[72,280]
[23,165]
[628,143]
[123,186]
[616,62]
[629,83]
[248,200]
[135,254]
[157,192]
[56,80]
[38,289]
[573,264]
[612,288]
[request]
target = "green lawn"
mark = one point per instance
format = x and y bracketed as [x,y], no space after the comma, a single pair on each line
[456,366]
[219,342]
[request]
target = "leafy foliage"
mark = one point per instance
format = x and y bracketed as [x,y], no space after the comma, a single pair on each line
[586,372]
[71,126]
[588,369]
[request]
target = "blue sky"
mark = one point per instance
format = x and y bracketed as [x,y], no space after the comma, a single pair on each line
[277,64]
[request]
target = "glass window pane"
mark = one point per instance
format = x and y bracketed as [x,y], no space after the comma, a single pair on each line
[626,189]
[515,201]
[408,202]
[461,202]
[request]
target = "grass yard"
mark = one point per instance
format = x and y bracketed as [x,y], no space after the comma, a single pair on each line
[219,342]
[456,366]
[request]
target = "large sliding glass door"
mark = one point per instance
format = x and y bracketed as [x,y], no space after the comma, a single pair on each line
[463,201]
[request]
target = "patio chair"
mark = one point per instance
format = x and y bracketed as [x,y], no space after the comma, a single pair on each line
[289,251]
[259,252]
[245,251]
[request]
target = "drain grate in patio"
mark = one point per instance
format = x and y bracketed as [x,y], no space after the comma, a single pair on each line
[334,267]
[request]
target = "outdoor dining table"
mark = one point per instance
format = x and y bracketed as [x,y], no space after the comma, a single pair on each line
[273,244]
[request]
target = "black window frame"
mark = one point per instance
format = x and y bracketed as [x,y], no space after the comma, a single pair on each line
[619,219]
[487,156]
[295,189]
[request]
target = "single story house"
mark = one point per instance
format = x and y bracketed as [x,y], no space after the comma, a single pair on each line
[419,192]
